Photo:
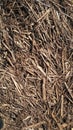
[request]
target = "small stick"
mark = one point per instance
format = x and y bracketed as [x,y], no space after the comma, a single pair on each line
[16,85]
[34,125]
[68,89]
[63,59]
[44,90]
[11,52]
[44,74]
[62,102]
[40,128]
[43,16]
[10,61]
[58,124]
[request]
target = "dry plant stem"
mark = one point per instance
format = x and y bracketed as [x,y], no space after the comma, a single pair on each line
[44,89]
[9,60]
[61,12]
[69,98]
[10,52]
[34,13]
[40,128]
[58,124]
[61,126]
[43,16]
[34,125]
[16,85]
[62,105]
[68,90]
[64,59]
[3,75]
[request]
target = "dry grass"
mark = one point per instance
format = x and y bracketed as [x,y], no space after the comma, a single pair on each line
[36,64]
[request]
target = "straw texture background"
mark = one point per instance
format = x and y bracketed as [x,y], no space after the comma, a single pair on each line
[36,64]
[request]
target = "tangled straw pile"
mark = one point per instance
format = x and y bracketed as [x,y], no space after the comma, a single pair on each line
[36,64]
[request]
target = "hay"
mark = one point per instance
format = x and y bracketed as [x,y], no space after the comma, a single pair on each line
[36,64]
